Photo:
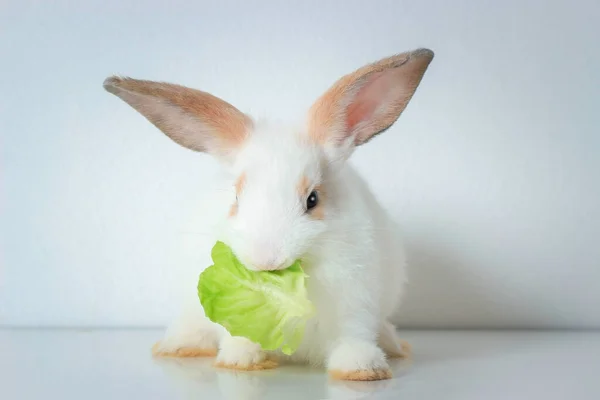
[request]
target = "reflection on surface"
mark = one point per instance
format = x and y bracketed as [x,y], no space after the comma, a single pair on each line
[197,378]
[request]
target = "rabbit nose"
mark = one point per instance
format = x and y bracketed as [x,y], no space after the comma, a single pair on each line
[267,261]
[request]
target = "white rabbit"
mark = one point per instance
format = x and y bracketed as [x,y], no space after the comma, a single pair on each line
[293,195]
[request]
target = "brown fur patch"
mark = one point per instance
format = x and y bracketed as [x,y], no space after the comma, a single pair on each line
[184,352]
[265,364]
[303,186]
[159,101]
[239,186]
[406,352]
[240,183]
[335,112]
[318,213]
[361,375]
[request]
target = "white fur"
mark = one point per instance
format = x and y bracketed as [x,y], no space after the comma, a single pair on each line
[354,256]
[239,352]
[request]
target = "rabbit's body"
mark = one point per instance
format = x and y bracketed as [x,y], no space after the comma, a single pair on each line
[356,263]
[358,267]
[292,194]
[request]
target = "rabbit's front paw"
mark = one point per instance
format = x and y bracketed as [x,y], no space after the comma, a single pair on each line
[241,354]
[358,360]
[197,344]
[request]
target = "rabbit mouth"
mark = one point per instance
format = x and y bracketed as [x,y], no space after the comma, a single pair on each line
[272,267]
[275,266]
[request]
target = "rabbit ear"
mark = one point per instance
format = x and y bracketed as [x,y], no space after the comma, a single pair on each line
[194,119]
[368,101]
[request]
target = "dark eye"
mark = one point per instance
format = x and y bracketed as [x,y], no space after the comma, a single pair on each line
[312,200]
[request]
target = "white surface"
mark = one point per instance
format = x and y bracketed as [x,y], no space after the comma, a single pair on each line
[496,156]
[447,365]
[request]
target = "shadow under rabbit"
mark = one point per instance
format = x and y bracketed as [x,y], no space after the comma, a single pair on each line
[197,377]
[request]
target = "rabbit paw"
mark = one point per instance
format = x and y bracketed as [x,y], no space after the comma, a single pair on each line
[391,344]
[403,350]
[357,360]
[193,344]
[241,354]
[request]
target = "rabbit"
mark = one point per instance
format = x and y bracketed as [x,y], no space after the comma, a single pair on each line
[290,194]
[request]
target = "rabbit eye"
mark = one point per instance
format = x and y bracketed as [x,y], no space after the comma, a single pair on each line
[312,200]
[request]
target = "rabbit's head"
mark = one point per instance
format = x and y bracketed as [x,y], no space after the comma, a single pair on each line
[283,200]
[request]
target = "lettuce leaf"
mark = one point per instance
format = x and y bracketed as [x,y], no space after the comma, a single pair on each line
[268,307]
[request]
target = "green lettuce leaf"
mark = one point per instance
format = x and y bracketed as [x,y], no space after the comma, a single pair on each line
[268,307]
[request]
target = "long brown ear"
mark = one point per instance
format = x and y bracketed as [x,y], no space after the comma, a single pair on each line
[368,101]
[194,119]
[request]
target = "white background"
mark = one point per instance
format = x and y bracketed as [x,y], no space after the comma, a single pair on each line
[492,170]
